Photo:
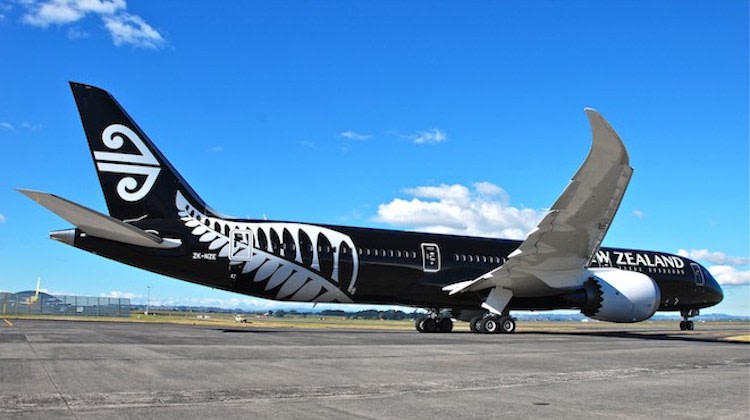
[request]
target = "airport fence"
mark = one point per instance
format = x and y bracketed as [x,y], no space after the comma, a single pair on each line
[44,304]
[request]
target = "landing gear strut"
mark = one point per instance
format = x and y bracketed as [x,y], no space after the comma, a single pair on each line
[686,324]
[434,322]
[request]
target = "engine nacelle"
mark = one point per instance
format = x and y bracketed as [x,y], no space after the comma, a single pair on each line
[620,296]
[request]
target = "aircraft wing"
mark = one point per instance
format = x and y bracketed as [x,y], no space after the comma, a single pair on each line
[97,224]
[559,248]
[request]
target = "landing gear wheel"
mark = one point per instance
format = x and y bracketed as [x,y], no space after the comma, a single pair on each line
[507,325]
[429,325]
[445,325]
[686,324]
[474,324]
[418,324]
[490,325]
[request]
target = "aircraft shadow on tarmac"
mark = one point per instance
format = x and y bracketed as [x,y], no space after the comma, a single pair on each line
[659,336]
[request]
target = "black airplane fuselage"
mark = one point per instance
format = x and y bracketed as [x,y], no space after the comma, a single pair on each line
[394,268]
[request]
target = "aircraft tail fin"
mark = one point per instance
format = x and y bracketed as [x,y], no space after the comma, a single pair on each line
[137,180]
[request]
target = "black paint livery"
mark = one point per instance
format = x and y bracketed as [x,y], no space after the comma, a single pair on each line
[158,223]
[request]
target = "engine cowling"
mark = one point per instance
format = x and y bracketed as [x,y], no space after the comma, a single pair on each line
[614,295]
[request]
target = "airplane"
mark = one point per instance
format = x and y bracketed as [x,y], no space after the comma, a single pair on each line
[157,222]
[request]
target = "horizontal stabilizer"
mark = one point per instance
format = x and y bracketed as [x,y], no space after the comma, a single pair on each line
[97,224]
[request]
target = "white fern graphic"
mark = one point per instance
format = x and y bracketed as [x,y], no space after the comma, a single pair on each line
[293,280]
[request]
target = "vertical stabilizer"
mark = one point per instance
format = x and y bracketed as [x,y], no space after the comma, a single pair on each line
[137,180]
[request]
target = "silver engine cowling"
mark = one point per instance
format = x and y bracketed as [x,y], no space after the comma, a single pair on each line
[614,295]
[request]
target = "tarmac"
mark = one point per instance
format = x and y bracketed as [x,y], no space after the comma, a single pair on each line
[92,370]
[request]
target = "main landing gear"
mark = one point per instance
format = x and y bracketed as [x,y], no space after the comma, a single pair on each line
[493,324]
[686,324]
[479,322]
[434,323]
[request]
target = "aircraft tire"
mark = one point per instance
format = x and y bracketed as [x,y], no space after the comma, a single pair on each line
[445,325]
[687,326]
[474,324]
[429,325]
[507,325]
[490,325]
[418,324]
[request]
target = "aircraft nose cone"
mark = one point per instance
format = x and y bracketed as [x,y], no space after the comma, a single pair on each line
[713,290]
[718,294]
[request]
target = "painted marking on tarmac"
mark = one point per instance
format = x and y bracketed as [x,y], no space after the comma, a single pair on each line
[10,324]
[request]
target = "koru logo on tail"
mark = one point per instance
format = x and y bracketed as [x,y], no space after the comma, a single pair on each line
[144,164]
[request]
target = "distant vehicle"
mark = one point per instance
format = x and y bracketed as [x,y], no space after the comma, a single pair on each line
[240,318]
[159,223]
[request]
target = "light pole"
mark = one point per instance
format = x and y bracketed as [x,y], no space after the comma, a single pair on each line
[148,298]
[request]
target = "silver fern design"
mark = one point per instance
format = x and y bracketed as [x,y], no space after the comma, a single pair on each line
[286,256]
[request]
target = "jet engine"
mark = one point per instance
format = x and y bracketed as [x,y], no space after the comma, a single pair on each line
[614,295]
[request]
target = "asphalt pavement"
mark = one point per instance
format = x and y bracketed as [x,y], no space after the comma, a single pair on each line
[82,370]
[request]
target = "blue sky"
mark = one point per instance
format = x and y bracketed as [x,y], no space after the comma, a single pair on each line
[367,113]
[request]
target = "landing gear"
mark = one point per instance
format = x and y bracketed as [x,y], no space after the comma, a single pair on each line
[479,321]
[474,323]
[494,324]
[434,323]
[445,325]
[686,324]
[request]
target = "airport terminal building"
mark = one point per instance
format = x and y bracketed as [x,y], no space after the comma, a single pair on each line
[29,302]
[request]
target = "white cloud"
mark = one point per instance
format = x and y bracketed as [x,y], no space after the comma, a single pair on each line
[713,257]
[120,295]
[61,12]
[132,30]
[351,135]
[727,275]
[432,136]
[484,210]
[6,125]
[2,218]
[125,28]
[639,214]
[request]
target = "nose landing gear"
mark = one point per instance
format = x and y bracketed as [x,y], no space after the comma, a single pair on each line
[686,324]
